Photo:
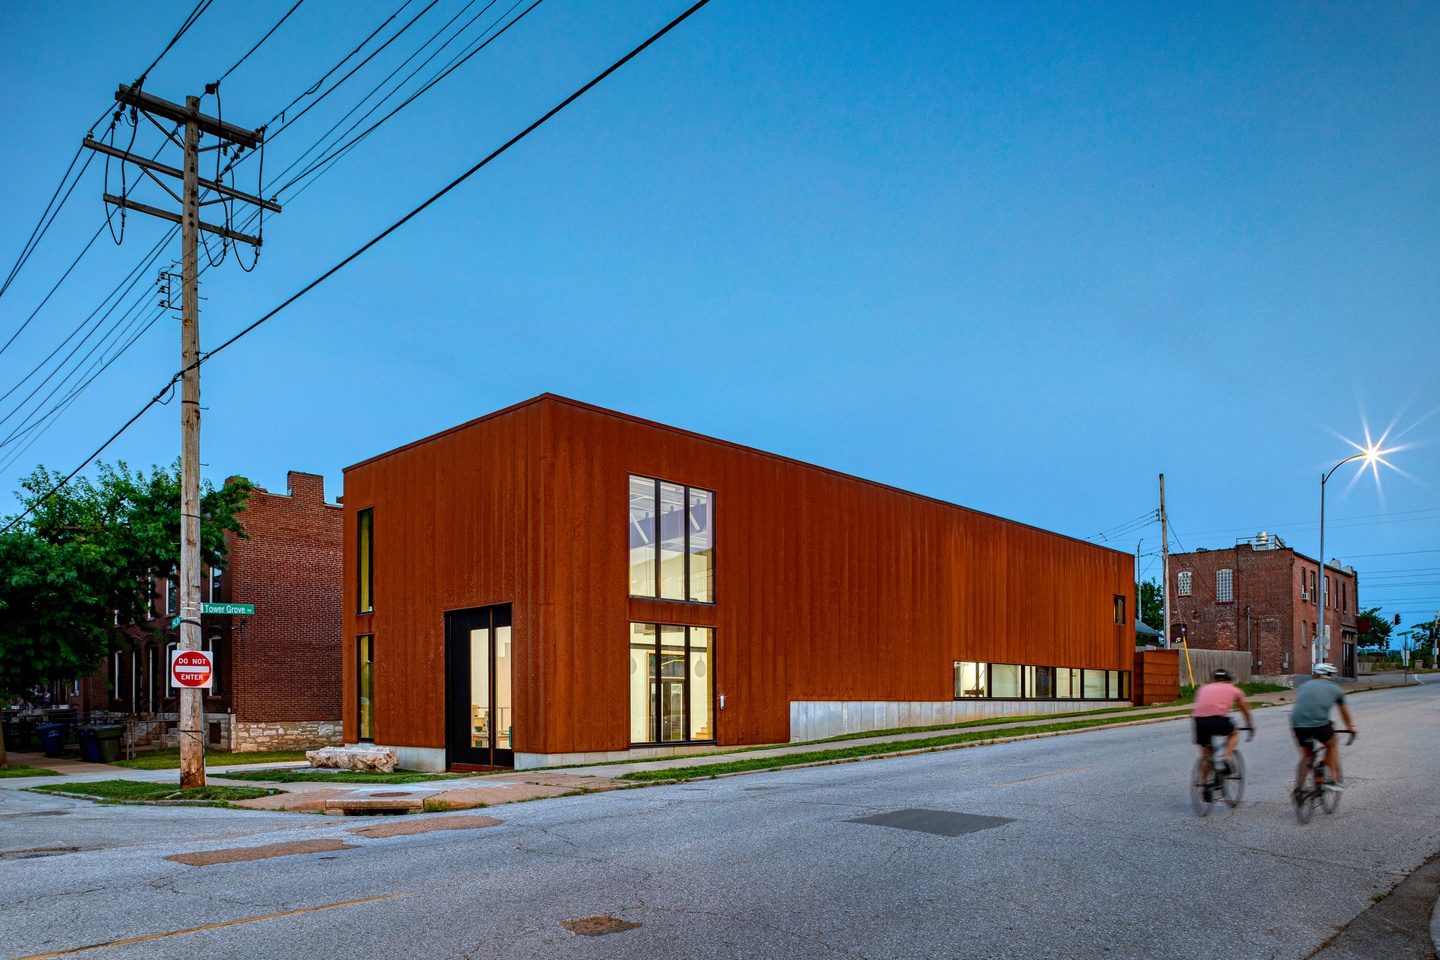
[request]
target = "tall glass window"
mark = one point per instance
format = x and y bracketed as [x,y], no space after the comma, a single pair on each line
[642,537]
[702,683]
[1120,610]
[672,686]
[365,567]
[672,541]
[365,689]
[701,550]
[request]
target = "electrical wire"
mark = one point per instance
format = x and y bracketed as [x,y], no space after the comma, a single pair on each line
[259,43]
[169,386]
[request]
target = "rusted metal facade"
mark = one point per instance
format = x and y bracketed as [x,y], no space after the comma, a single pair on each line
[826,587]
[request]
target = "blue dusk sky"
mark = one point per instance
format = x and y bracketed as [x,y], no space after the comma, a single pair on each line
[1023,257]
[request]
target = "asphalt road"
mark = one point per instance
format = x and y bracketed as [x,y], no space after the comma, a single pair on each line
[1101,857]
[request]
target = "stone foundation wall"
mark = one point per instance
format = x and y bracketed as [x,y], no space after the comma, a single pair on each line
[286,735]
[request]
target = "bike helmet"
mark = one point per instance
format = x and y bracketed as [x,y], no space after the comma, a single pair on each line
[1221,676]
[1324,670]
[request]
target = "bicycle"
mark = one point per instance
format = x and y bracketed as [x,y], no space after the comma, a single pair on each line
[1314,792]
[1226,781]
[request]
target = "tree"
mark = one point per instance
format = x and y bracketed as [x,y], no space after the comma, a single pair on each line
[1152,606]
[85,559]
[1378,636]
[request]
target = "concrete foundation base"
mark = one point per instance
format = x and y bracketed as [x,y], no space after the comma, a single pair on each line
[821,719]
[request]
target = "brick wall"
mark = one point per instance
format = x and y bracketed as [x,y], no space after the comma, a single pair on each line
[1271,617]
[284,661]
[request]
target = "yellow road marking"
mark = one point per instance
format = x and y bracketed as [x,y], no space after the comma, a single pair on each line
[210,926]
[1004,783]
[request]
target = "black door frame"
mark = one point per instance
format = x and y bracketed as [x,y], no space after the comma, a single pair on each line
[458,624]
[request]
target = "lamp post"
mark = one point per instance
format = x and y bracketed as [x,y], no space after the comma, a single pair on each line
[1369,455]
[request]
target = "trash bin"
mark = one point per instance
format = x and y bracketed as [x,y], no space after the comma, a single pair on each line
[88,751]
[107,742]
[52,738]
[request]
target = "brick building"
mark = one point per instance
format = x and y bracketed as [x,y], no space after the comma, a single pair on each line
[1262,597]
[277,683]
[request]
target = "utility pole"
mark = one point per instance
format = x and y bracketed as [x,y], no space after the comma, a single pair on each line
[1165,561]
[192,704]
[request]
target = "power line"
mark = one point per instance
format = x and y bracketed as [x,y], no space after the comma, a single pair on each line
[259,43]
[382,235]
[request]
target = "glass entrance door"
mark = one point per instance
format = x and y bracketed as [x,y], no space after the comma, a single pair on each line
[480,712]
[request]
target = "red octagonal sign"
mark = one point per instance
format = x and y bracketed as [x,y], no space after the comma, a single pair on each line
[191,668]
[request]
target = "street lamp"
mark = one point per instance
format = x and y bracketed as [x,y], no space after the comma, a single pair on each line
[1371,455]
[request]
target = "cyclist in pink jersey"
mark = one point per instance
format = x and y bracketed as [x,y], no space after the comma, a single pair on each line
[1213,703]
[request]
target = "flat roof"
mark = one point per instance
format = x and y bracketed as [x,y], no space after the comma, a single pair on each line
[604,412]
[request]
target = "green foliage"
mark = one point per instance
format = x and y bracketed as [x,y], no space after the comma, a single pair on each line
[170,759]
[20,770]
[1152,607]
[873,749]
[134,791]
[1187,693]
[1378,636]
[88,552]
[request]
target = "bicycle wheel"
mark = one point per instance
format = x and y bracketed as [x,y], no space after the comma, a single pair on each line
[1200,796]
[1329,799]
[1304,802]
[1233,787]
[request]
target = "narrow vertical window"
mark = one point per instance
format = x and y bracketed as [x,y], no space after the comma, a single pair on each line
[643,692]
[365,689]
[643,545]
[365,568]
[1120,610]
[702,683]
[1184,579]
[672,541]
[700,529]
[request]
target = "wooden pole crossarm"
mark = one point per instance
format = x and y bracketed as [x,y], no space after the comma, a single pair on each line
[176,172]
[173,111]
[175,218]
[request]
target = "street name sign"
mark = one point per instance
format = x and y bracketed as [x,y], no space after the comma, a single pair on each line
[233,609]
[191,668]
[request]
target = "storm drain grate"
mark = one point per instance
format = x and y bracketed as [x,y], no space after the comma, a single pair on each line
[597,926]
[945,823]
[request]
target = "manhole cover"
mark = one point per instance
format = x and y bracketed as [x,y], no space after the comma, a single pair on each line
[598,926]
[390,793]
[945,823]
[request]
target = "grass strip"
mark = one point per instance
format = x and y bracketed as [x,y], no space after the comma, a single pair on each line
[134,791]
[338,776]
[23,771]
[875,749]
[170,759]
[1250,689]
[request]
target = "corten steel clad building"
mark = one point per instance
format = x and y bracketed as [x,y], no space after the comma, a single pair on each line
[558,583]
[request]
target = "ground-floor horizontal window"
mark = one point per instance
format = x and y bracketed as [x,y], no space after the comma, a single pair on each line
[1013,681]
[672,683]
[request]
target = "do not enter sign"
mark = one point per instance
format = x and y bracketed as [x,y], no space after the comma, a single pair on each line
[191,668]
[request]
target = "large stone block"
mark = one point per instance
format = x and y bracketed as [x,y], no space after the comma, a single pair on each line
[372,759]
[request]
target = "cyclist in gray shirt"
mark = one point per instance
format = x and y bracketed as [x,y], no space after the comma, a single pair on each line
[1310,719]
